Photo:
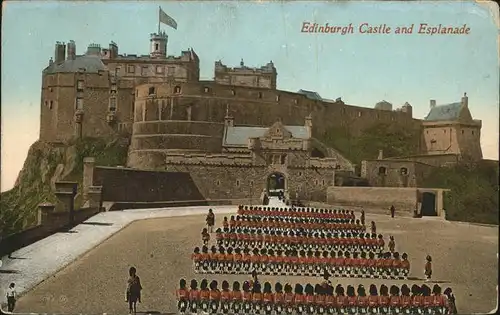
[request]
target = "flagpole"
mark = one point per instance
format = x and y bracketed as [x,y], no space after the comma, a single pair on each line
[159,12]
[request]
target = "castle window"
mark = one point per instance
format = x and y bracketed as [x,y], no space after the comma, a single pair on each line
[113,88]
[79,104]
[112,104]
[260,94]
[323,182]
[359,114]
[315,182]
[131,69]
[144,71]
[50,89]
[403,171]
[159,69]
[283,159]
[277,98]
[296,101]
[218,183]
[177,89]
[46,103]
[80,84]
[151,90]
[251,183]
[233,92]
[170,71]
[382,170]
[156,47]
[50,104]
[300,173]
[206,89]
[237,182]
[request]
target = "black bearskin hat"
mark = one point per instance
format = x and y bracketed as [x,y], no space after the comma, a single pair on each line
[373,289]
[194,284]
[182,283]
[204,284]
[236,286]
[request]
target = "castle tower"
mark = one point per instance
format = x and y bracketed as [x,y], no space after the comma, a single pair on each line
[159,45]
[60,53]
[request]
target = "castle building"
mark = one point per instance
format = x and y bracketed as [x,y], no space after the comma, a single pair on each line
[238,130]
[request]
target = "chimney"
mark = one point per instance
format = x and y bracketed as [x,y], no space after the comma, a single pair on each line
[380,155]
[465,100]
[71,50]
[433,103]
[60,52]
[113,50]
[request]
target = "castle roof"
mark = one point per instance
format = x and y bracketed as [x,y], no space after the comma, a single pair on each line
[239,135]
[444,112]
[91,64]
[310,95]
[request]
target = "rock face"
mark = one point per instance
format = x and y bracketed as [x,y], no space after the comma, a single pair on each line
[46,164]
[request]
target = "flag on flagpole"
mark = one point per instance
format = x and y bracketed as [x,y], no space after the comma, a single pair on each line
[166,19]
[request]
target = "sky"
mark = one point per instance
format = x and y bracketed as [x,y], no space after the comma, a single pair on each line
[363,69]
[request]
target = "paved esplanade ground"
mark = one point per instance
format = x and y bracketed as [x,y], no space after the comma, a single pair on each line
[464,257]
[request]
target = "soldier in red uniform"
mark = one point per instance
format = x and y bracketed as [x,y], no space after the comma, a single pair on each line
[255,258]
[299,299]
[356,264]
[320,298]
[280,268]
[405,265]
[340,265]
[289,297]
[341,300]
[416,300]
[303,263]
[428,268]
[205,236]
[394,301]
[213,259]
[246,297]
[264,260]
[439,301]
[387,266]
[384,300]
[362,300]
[196,257]
[380,242]
[309,299]
[236,298]
[246,260]
[194,296]
[267,298]
[230,261]
[351,300]
[450,301]
[405,300]
[182,296]
[215,296]
[363,265]
[373,300]
[225,223]
[396,266]
[348,264]
[427,297]
[225,298]
[204,296]
[278,298]
[330,300]
[294,260]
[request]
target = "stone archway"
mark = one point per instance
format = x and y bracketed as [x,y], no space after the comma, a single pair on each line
[276,184]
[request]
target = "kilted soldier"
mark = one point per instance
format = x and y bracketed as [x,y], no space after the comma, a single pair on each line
[213,258]
[428,268]
[204,296]
[340,270]
[351,300]
[380,242]
[388,262]
[439,304]
[363,265]
[299,299]
[230,261]
[362,300]
[394,300]
[256,298]
[427,298]
[267,299]
[214,297]
[289,297]
[309,299]
[392,244]
[280,264]
[221,261]
[405,300]
[373,300]
[371,266]
[452,307]
[255,259]
[384,300]
[225,298]
[304,263]
[396,266]
[247,298]
[347,264]
[320,298]
[416,300]
[263,261]
[236,298]
[278,298]
[405,265]
[194,297]
[341,300]
[246,260]
[356,264]
[205,236]
[317,263]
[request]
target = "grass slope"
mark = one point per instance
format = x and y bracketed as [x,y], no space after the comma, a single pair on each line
[45,164]
[474,188]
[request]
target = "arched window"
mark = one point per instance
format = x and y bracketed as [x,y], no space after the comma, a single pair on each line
[403,171]
[382,170]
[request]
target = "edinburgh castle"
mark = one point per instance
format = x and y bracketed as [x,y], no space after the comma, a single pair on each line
[233,133]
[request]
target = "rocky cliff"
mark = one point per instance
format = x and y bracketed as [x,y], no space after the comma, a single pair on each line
[47,163]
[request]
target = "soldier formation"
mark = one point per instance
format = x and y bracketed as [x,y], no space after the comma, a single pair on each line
[304,242]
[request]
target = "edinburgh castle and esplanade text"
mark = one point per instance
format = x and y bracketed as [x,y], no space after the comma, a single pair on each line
[367,28]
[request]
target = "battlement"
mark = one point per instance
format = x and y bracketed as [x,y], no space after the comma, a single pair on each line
[265,76]
[208,159]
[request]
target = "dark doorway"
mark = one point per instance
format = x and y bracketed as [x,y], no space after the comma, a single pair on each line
[428,204]
[275,184]
[317,153]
